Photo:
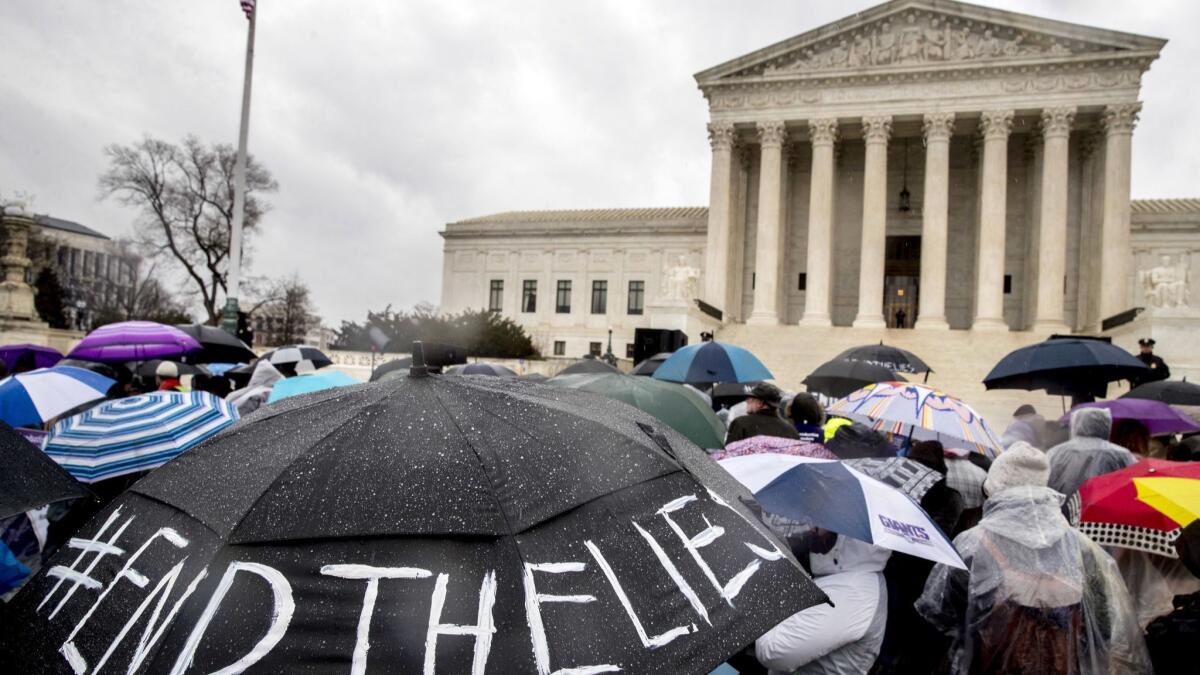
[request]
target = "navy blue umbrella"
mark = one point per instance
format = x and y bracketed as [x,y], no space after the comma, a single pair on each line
[712,362]
[1065,366]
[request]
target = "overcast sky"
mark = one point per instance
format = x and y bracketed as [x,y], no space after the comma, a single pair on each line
[383,121]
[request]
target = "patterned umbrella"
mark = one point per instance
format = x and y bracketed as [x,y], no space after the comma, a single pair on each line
[1119,508]
[907,475]
[30,399]
[136,434]
[133,341]
[921,412]
[285,358]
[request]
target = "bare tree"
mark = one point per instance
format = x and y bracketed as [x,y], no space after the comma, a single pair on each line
[285,312]
[185,196]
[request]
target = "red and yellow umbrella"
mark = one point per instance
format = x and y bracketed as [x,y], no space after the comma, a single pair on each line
[1142,506]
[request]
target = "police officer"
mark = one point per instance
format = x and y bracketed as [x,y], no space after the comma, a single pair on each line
[1158,367]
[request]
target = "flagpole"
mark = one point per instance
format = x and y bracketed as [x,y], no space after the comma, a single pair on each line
[229,320]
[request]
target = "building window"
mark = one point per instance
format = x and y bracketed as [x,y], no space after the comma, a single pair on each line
[599,298]
[496,296]
[529,296]
[562,298]
[560,347]
[637,296]
[802,283]
[1007,284]
[594,348]
[629,350]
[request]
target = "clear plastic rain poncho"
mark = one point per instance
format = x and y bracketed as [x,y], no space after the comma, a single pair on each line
[256,393]
[1088,453]
[1037,596]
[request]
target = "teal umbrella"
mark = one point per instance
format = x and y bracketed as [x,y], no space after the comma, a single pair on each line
[305,384]
[675,405]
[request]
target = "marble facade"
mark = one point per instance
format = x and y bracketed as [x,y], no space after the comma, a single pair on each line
[965,166]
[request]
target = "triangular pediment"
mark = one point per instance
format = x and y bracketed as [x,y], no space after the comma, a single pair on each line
[929,35]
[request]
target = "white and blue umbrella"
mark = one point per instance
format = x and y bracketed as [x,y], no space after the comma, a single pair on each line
[136,434]
[831,495]
[32,398]
[712,361]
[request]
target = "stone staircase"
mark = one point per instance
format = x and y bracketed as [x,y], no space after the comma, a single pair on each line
[960,360]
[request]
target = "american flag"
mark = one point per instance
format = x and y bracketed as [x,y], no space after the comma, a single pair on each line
[248,7]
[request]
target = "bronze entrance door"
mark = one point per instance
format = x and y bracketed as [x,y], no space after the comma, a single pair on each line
[901,281]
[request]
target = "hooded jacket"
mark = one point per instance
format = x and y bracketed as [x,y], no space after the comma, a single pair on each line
[257,391]
[1037,595]
[844,638]
[1088,453]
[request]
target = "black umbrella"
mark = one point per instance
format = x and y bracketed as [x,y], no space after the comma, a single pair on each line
[838,378]
[1079,367]
[29,478]
[892,358]
[490,369]
[651,364]
[150,368]
[729,394]
[857,440]
[395,366]
[217,346]
[241,374]
[118,374]
[586,366]
[441,524]
[1167,391]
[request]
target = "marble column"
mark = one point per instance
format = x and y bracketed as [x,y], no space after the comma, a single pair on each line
[995,126]
[720,201]
[1052,233]
[823,133]
[876,130]
[768,253]
[1115,278]
[934,221]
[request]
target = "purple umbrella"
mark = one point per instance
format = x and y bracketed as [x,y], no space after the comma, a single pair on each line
[133,341]
[43,357]
[1158,417]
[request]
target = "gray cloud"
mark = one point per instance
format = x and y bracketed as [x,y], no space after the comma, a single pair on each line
[385,120]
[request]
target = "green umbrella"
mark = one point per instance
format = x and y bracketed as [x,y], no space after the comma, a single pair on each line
[677,406]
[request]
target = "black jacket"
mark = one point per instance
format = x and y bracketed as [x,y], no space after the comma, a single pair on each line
[1158,370]
[763,423]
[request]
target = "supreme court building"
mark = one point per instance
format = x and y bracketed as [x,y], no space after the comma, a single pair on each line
[924,164]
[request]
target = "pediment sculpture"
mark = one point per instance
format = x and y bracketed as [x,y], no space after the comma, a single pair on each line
[918,38]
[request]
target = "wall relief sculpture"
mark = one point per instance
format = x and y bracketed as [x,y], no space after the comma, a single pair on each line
[679,282]
[1166,285]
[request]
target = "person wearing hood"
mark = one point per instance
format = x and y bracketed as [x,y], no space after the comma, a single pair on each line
[166,377]
[844,637]
[762,416]
[257,391]
[1088,453]
[1037,596]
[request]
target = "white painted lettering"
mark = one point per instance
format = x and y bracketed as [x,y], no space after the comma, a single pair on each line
[281,616]
[483,630]
[648,642]
[537,629]
[372,575]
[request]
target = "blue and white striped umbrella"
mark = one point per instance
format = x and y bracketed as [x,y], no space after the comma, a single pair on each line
[29,399]
[833,496]
[136,434]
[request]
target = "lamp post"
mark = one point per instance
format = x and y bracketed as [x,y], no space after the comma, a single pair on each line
[609,356]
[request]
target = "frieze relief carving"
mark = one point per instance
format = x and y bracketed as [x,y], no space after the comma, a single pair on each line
[1166,284]
[920,38]
[782,94]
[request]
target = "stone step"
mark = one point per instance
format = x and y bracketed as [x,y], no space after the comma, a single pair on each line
[960,359]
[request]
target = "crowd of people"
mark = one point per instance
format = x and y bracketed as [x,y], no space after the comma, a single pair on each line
[1037,594]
